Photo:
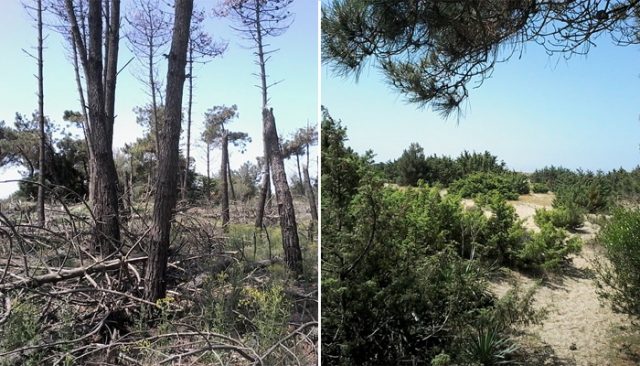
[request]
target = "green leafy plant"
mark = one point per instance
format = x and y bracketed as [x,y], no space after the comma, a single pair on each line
[561,217]
[22,329]
[441,359]
[21,326]
[619,280]
[489,346]
[539,188]
[547,249]
[269,311]
[508,185]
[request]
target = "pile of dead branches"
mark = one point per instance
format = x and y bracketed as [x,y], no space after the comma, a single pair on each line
[61,305]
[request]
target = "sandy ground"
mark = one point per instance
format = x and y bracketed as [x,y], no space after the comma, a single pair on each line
[578,329]
[527,205]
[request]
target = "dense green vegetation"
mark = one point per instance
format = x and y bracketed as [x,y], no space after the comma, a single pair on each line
[508,185]
[591,192]
[405,271]
[413,166]
[619,280]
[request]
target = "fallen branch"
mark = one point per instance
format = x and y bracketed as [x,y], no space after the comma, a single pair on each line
[290,335]
[66,274]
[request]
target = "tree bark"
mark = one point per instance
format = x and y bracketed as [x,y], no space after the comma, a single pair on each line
[190,104]
[224,181]
[85,123]
[111,71]
[300,175]
[167,176]
[101,105]
[313,208]
[266,179]
[233,191]
[207,188]
[41,218]
[264,189]
[288,226]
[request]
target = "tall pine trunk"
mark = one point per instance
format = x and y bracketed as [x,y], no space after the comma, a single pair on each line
[100,105]
[41,218]
[313,208]
[266,181]
[264,190]
[85,123]
[299,174]
[207,187]
[233,191]
[190,104]
[167,176]
[288,226]
[224,177]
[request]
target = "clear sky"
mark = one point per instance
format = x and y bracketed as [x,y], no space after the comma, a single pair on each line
[226,80]
[534,111]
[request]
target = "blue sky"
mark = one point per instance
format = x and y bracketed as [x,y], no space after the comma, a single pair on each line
[227,80]
[534,111]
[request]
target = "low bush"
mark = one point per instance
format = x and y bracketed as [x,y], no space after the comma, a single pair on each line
[21,329]
[547,249]
[508,185]
[505,233]
[591,194]
[539,188]
[569,218]
[619,280]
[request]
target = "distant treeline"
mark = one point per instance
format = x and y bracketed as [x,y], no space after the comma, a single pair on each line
[473,173]
[413,166]
[596,192]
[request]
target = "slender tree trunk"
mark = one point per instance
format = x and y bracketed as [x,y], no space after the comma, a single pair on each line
[41,218]
[224,189]
[233,191]
[300,175]
[154,101]
[313,208]
[85,123]
[167,176]
[186,169]
[264,189]
[288,226]
[101,103]
[127,199]
[208,170]
[111,68]
[266,179]
[309,191]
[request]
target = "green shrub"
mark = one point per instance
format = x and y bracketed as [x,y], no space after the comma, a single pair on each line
[219,301]
[269,311]
[489,346]
[509,185]
[505,232]
[22,329]
[397,282]
[21,326]
[592,194]
[569,218]
[552,176]
[547,249]
[441,359]
[619,281]
[539,188]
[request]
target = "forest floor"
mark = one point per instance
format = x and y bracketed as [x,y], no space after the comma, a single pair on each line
[222,287]
[578,328]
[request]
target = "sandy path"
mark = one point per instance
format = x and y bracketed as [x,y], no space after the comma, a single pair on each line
[578,329]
